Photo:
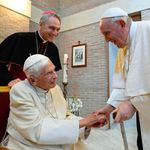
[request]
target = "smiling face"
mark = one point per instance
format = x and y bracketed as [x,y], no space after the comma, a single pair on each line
[50,29]
[48,77]
[114,31]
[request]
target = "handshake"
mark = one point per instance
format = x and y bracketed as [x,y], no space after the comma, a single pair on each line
[124,111]
[93,120]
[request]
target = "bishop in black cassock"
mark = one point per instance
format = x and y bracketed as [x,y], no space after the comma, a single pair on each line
[13,52]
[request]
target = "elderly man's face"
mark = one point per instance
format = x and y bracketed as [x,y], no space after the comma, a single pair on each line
[48,77]
[49,31]
[114,32]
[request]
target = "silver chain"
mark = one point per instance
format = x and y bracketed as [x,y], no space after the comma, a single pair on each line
[54,117]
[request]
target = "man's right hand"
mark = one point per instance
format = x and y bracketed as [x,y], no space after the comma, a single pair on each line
[13,82]
[106,110]
[88,121]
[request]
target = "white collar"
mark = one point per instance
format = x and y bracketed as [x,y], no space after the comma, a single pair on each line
[44,41]
[40,90]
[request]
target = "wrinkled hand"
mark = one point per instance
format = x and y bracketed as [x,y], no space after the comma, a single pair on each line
[104,112]
[89,120]
[13,82]
[102,120]
[107,109]
[124,111]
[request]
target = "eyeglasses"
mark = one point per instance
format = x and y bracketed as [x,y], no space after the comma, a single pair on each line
[50,74]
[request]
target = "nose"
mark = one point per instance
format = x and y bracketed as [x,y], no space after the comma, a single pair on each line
[107,40]
[55,75]
[55,32]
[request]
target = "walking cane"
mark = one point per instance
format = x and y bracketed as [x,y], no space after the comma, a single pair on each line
[123,133]
[124,137]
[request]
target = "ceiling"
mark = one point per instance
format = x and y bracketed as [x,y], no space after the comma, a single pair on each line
[68,7]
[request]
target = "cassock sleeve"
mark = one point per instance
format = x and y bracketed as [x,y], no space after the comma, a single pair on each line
[6,49]
[37,127]
[117,96]
[83,132]
[9,53]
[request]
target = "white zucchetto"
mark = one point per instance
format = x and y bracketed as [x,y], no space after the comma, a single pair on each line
[113,12]
[33,59]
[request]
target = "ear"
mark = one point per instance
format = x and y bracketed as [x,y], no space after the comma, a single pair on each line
[40,24]
[121,22]
[33,80]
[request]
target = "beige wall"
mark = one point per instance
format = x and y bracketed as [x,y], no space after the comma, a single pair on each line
[89,83]
[11,22]
[33,26]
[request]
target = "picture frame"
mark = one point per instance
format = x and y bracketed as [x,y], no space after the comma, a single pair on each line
[79,55]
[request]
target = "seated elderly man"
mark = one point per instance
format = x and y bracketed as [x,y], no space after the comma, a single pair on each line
[38,116]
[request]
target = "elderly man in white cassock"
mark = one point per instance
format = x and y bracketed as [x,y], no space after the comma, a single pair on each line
[38,118]
[131,80]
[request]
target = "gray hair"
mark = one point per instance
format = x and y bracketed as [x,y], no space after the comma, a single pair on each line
[45,17]
[36,69]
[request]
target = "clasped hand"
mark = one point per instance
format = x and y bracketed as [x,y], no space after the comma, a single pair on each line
[94,120]
[124,111]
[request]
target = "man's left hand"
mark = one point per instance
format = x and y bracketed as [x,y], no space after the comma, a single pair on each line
[124,111]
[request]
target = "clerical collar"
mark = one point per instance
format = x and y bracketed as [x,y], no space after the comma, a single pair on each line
[44,41]
[40,90]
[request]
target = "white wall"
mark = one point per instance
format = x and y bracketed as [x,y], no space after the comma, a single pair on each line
[21,6]
[112,59]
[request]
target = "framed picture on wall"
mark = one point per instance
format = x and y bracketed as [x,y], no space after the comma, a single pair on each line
[79,55]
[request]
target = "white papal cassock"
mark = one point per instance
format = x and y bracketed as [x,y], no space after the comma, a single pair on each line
[39,120]
[135,83]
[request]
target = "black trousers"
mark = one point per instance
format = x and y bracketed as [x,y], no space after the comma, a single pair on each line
[139,136]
